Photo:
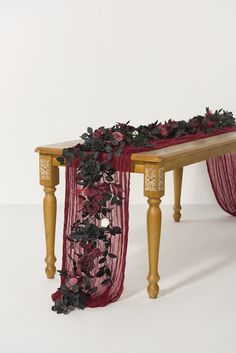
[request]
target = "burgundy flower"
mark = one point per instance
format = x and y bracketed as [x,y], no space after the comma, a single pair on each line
[87,247]
[91,207]
[93,192]
[210,123]
[96,252]
[98,133]
[98,197]
[87,263]
[163,130]
[71,281]
[118,136]
[194,123]
[57,295]
[96,191]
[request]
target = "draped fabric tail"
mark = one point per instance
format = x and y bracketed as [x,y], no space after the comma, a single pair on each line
[120,217]
[222,173]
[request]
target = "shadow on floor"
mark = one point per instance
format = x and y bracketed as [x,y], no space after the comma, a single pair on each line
[201,247]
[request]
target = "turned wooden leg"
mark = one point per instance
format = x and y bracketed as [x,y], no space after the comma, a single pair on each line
[178,174]
[49,178]
[50,210]
[154,184]
[154,233]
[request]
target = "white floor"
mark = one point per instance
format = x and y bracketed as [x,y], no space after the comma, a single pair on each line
[195,311]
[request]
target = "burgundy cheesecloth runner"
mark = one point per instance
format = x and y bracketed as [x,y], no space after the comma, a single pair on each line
[222,172]
[96,218]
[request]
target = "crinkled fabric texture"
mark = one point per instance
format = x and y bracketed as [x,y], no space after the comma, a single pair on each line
[222,173]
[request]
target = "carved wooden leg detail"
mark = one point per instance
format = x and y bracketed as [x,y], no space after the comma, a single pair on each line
[49,178]
[178,174]
[49,210]
[154,185]
[154,233]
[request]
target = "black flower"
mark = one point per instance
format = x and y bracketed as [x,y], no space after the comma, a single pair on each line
[91,231]
[89,169]
[97,144]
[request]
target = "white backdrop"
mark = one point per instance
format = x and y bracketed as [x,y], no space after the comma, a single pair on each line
[66,65]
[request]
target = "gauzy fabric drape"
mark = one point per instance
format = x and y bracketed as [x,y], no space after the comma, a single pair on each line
[222,174]
[119,215]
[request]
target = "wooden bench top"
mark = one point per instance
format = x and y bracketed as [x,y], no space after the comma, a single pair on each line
[173,156]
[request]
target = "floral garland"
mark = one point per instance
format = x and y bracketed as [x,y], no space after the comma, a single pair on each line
[101,192]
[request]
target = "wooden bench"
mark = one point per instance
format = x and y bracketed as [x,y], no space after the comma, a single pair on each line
[153,164]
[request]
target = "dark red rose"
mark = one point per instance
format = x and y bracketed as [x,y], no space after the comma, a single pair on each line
[57,295]
[194,123]
[96,252]
[94,192]
[118,136]
[87,247]
[87,263]
[210,123]
[163,130]
[98,133]
[70,282]
[172,124]
[98,197]
[91,207]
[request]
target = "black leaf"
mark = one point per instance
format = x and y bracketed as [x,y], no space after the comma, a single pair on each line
[105,282]
[106,196]
[108,271]
[93,290]
[109,178]
[113,256]
[61,160]
[113,200]
[105,253]
[117,230]
[101,272]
